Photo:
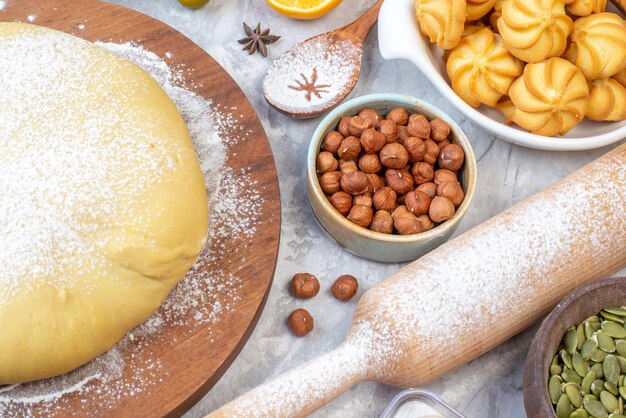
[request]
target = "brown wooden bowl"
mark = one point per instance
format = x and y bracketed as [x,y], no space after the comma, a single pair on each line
[583,302]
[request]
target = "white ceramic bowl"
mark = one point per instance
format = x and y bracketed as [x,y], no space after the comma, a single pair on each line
[399,38]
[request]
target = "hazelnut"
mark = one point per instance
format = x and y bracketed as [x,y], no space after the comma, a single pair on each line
[372,115]
[301,322]
[451,157]
[385,199]
[419,126]
[362,199]
[403,134]
[370,163]
[443,144]
[441,209]
[394,156]
[304,285]
[414,116]
[439,130]
[416,148]
[347,166]
[326,162]
[331,142]
[426,223]
[389,129]
[358,125]
[401,198]
[443,176]
[422,172]
[417,202]
[400,181]
[329,182]
[375,183]
[361,215]
[354,183]
[382,222]
[405,222]
[350,148]
[344,126]
[432,152]
[372,141]
[453,191]
[345,287]
[429,188]
[341,201]
[398,115]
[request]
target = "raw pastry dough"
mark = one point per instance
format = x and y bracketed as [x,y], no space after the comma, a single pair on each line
[585,7]
[103,206]
[480,68]
[607,101]
[443,21]
[550,97]
[534,30]
[598,45]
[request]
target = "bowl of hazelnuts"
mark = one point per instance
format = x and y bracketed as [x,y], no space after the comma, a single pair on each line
[389,177]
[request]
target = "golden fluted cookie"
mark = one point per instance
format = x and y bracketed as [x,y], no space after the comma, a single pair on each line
[443,21]
[598,45]
[621,77]
[478,8]
[607,100]
[585,7]
[534,30]
[480,68]
[495,15]
[507,108]
[550,97]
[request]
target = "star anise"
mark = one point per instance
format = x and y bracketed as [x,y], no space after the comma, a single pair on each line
[257,39]
[310,86]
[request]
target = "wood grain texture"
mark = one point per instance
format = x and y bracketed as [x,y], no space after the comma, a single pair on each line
[390,340]
[193,357]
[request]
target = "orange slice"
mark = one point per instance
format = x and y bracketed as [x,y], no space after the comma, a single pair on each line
[303,9]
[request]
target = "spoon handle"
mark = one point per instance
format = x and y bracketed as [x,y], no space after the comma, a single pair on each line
[357,31]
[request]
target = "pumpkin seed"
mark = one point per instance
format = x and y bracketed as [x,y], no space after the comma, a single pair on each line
[597,369]
[580,365]
[620,400]
[564,407]
[621,380]
[615,416]
[622,392]
[597,386]
[616,311]
[572,390]
[611,317]
[598,356]
[613,329]
[579,413]
[609,401]
[570,375]
[555,369]
[611,388]
[605,342]
[585,386]
[622,363]
[588,347]
[554,388]
[580,333]
[611,369]
[570,340]
[567,358]
[595,408]
[620,347]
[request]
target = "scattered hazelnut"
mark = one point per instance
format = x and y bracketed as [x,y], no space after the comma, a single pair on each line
[362,199]
[426,223]
[453,191]
[347,166]
[370,163]
[304,285]
[331,142]
[329,182]
[389,129]
[441,209]
[344,126]
[443,144]
[429,188]
[350,148]
[422,172]
[417,202]
[361,215]
[375,182]
[416,148]
[382,222]
[345,287]
[341,201]
[394,156]
[443,176]
[400,181]
[398,115]
[439,130]
[326,162]
[405,222]
[432,152]
[371,114]
[403,134]
[372,141]
[354,183]
[358,125]
[419,126]
[301,322]
[385,199]
[451,157]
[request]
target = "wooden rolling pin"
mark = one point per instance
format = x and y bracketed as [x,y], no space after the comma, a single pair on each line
[467,296]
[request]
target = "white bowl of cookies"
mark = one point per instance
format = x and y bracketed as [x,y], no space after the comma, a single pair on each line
[545,74]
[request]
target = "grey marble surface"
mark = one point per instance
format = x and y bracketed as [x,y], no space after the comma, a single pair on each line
[489,386]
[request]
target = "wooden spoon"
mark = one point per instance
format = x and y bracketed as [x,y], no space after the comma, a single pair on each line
[467,296]
[317,74]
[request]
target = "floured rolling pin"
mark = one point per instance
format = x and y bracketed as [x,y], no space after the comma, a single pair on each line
[468,295]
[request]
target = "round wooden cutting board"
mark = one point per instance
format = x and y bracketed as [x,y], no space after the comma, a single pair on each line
[166,372]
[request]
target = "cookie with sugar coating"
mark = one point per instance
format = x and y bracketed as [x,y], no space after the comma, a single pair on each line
[443,21]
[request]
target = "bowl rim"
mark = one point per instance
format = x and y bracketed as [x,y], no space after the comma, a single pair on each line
[401,100]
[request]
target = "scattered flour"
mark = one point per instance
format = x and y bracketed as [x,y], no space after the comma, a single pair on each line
[3,5]
[31,18]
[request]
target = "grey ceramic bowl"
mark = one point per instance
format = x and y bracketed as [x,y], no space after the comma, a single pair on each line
[374,245]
